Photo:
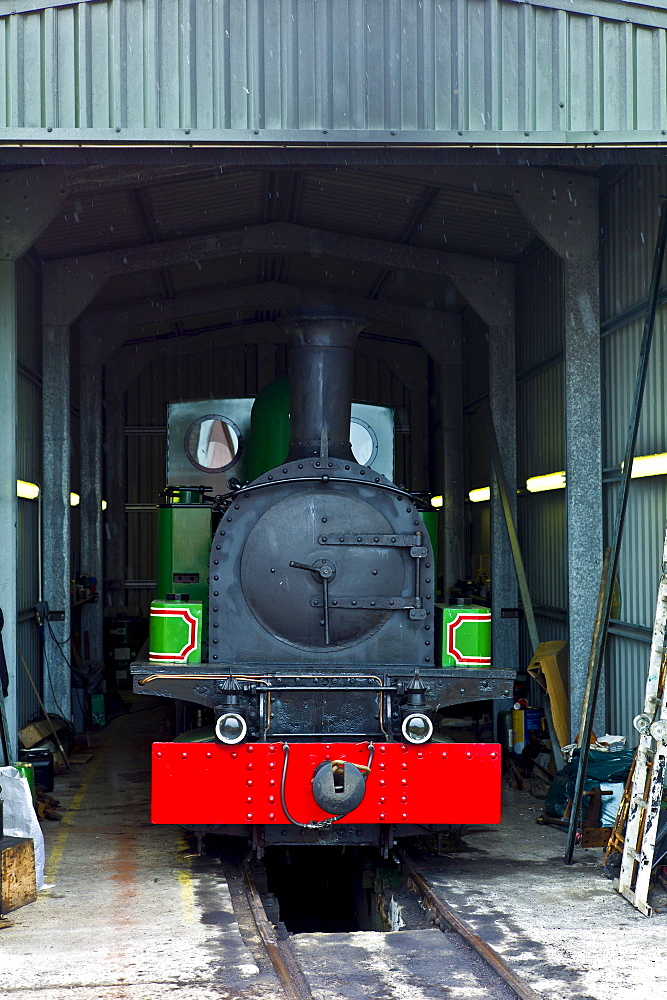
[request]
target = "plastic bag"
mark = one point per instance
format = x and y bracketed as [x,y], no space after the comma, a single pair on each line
[19,818]
[603,766]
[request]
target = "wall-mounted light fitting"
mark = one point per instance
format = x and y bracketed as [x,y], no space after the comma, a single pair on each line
[436,501]
[540,484]
[27,491]
[483,493]
[648,465]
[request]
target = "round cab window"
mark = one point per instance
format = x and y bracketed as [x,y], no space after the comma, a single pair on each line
[364,441]
[213,443]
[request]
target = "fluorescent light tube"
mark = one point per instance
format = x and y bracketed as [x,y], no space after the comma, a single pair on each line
[540,484]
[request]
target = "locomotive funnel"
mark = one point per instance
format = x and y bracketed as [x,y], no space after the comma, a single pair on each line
[321,371]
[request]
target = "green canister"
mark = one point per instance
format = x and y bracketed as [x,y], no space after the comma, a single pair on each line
[175,630]
[28,772]
[465,633]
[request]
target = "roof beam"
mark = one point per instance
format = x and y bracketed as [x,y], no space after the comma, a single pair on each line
[288,239]
[105,331]
[562,208]
[31,198]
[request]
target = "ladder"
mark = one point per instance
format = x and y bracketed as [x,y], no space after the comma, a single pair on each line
[645,795]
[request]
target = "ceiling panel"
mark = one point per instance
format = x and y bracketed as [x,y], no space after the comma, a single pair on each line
[368,206]
[218,202]
[104,221]
[481,224]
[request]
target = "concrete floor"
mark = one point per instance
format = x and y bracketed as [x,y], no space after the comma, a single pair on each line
[131,915]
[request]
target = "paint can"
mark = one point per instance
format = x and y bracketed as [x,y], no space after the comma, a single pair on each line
[524,722]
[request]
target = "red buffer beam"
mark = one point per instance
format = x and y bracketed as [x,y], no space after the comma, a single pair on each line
[208,783]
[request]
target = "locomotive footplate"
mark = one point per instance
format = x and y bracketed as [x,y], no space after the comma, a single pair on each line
[204,784]
[445,686]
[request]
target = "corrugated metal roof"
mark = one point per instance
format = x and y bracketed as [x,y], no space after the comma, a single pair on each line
[189,71]
[461,220]
[221,201]
[332,200]
[100,222]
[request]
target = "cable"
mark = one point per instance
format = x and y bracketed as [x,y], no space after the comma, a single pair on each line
[53,693]
[314,824]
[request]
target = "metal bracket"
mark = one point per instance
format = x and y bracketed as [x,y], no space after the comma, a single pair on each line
[413,542]
[371,603]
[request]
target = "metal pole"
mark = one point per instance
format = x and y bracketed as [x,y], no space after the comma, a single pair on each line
[607,588]
[511,531]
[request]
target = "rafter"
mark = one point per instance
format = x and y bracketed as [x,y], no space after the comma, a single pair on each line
[106,330]
[287,239]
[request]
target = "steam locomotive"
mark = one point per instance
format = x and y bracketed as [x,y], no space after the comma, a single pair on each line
[319,671]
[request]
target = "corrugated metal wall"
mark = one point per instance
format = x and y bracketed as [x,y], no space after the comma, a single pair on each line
[486,66]
[629,223]
[541,444]
[540,439]
[29,442]
[477,469]
[233,371]
[541,434]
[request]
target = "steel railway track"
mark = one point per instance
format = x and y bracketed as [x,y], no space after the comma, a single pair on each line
[300,981]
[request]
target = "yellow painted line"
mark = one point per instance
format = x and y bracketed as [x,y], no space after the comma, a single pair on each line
[58,849]
[186,885]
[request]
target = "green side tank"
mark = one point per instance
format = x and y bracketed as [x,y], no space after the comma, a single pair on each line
[269,428]
[184,542]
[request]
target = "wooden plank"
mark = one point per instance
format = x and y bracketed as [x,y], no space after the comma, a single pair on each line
[17,873]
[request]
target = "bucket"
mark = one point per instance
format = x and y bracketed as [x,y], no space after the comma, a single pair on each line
[524,722]
[175,630]
[464,630]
